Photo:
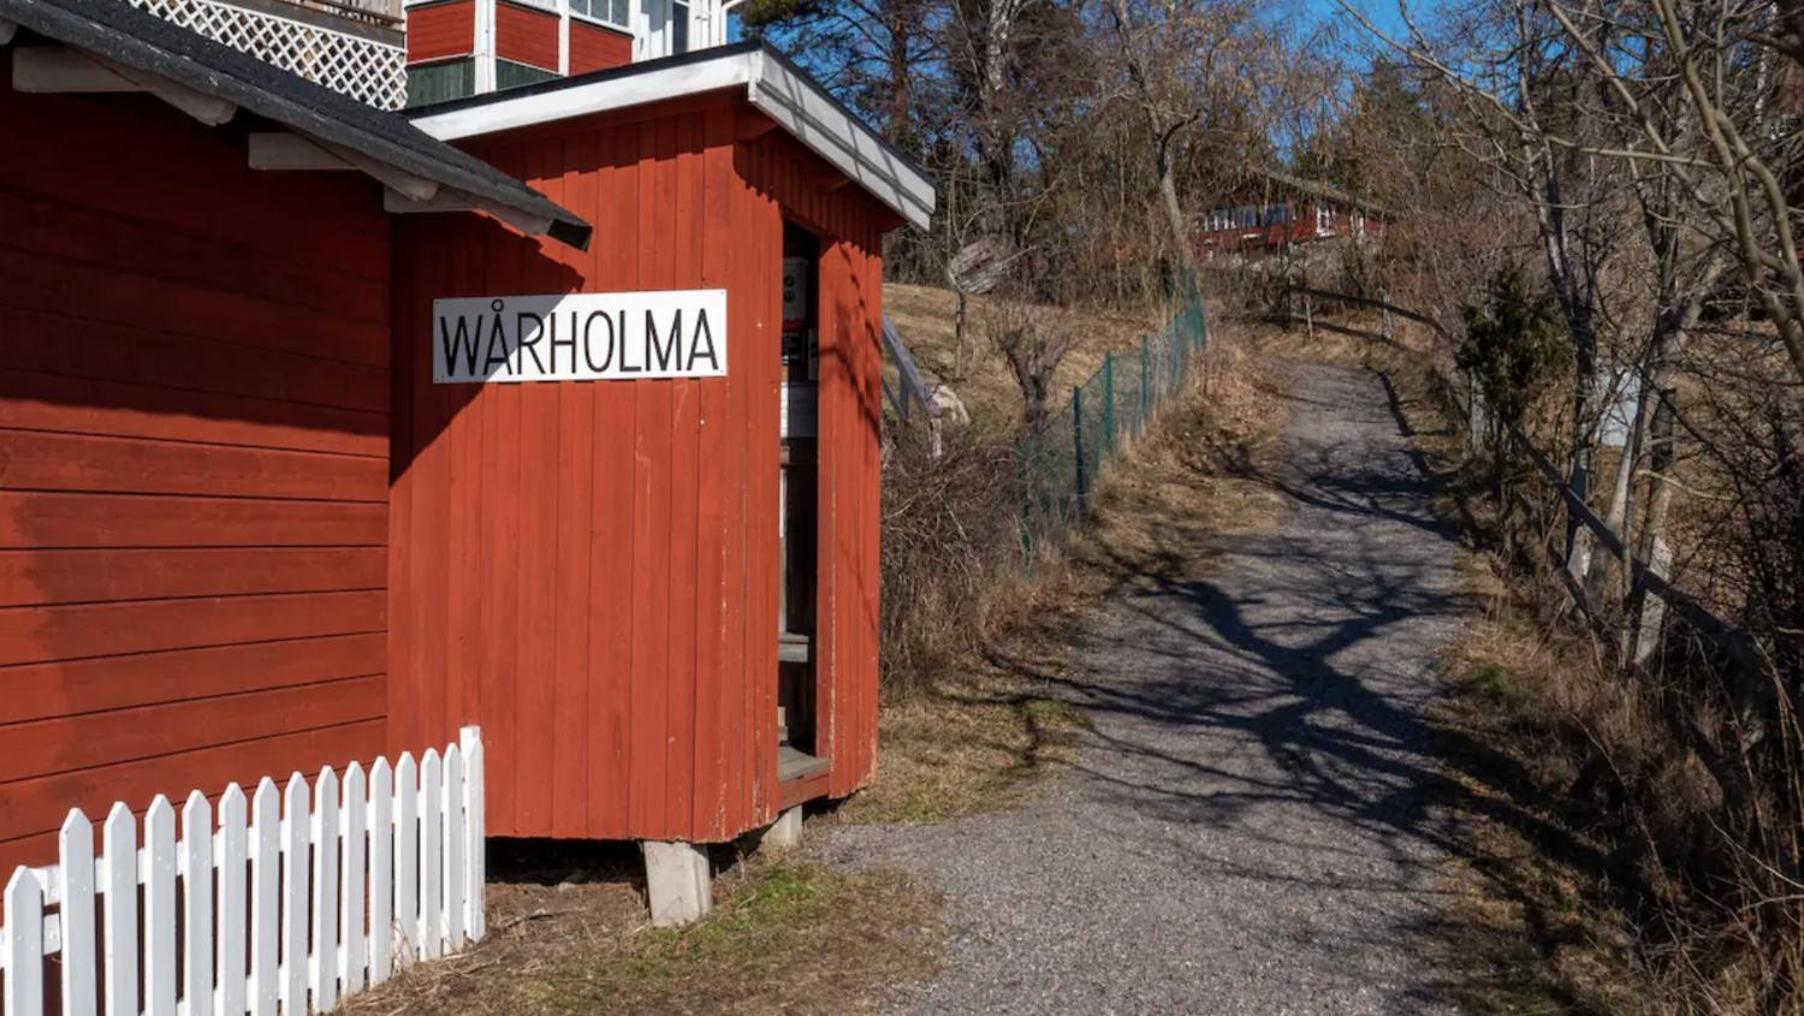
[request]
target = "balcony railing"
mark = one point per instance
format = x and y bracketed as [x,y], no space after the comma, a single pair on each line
[351,46]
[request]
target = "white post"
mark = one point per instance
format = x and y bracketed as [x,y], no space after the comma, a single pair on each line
[477,921]
[325,890]
[382,876]
[159,908]
[351,899]
[483,52]
[453,918]
[231,853]
[197,904]
[75,850]
[432,859]
[295,827]
[119,844]
[24,953]
[407,858]
[266,887]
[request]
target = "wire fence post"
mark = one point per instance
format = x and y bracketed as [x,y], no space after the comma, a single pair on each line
[1108,403]
[1077,439]
[1145,388]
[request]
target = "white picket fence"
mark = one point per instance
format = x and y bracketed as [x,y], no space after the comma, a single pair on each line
[296,899]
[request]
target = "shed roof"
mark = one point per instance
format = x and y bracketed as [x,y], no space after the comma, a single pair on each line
[774,85]
[123,36]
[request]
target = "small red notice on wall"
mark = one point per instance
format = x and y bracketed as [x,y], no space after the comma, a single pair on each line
[580,337]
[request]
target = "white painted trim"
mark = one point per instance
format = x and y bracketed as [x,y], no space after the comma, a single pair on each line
[279,151]
[482,50]
[797,104]
[7,30]
[54,69]
[563,37]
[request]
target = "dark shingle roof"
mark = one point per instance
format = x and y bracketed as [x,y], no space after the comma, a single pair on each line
[122,34]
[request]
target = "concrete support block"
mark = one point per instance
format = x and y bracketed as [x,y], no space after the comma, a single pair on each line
[678,881]
[785,832]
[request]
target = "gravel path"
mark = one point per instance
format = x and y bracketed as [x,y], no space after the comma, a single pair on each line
[1248,829]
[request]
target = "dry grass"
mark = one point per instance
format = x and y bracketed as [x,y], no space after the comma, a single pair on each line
[786,936]
[924,316]
[1539,902]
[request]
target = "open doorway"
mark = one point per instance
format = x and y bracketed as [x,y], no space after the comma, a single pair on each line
[798,511]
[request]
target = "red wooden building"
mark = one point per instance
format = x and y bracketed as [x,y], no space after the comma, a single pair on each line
[259,513]
[1289,210]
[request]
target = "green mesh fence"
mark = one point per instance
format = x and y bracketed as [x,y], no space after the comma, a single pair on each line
[1059,465]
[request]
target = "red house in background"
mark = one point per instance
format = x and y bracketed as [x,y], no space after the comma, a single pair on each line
[1289,210]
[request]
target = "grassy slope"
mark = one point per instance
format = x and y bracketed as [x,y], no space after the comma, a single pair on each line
[924,314]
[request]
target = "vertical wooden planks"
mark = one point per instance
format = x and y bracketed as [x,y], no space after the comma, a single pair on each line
[229,958]
[680,680]
[197,904]
[75,850]
[612,705]
[159,908]
[717,474]
[266,886]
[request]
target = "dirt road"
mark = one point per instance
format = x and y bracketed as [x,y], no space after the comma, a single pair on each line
[1247,829]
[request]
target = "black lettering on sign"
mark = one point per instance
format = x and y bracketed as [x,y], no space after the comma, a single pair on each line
[529,346]
[703,340]
[589,341]
[568,342]
[459,344]
[671,348]
[626,366]
[499,352]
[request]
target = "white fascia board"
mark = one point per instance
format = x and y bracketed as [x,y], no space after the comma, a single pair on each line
[792,101]
[803,110]
[624,92]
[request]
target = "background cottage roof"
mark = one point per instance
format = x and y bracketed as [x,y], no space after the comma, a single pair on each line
[773,85]
[122,36]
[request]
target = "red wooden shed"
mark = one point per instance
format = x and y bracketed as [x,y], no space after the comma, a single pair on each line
[290,475]
[657,595]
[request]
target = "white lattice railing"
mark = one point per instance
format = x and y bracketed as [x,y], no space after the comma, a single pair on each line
[288,899]
[366,68]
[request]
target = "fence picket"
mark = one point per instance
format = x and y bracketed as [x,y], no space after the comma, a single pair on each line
[229,938]
[477,921]
[119,845]
[159,908]
[454,849]
[324,963]
[266,875]
[195,865]
[281,905]
[351,905]
[382,884]
[24,943]
[75,853]
[431,860]
[296,824]
[407,860]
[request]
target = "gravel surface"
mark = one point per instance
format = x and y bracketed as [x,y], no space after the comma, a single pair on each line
[1248,830]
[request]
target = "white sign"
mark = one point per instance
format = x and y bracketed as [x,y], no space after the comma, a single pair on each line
[580,337]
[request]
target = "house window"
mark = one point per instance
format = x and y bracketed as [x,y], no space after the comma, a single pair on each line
[679,27]
[440,82]
[1324,219]
[613,13]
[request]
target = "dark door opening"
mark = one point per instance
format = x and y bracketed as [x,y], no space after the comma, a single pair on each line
[798,513]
